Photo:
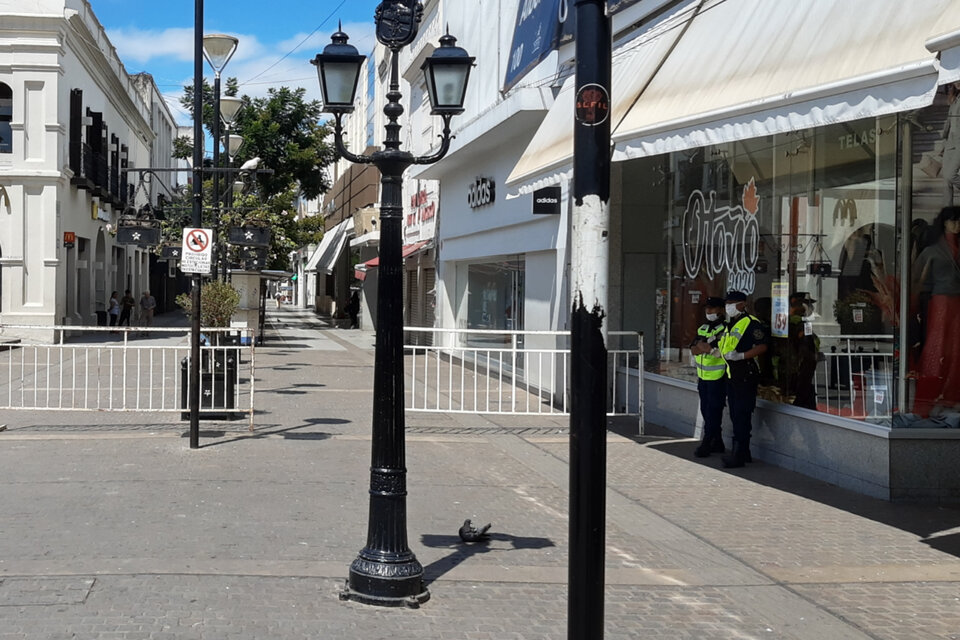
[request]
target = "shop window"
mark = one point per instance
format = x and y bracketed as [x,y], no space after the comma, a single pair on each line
[932,322]
[492,297]
[805,224]
[6,117]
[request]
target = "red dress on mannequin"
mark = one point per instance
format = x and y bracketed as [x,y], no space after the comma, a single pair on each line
[938,383]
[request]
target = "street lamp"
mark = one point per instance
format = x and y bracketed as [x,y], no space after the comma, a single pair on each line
[386,572]
[218,48]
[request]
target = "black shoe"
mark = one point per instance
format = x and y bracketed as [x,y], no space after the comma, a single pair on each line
[703,450]
[734,461]
[717,446]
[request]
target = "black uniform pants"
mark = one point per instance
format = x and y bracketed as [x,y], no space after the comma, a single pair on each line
[713,398]
[742,399]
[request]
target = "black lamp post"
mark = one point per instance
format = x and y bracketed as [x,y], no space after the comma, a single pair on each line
[218,48]
[386,572]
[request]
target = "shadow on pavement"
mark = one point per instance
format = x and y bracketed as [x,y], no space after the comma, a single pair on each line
[465,550]
[286,432]
[934,525]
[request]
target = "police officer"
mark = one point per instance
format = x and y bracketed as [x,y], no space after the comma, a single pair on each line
[711,377]
[745,338]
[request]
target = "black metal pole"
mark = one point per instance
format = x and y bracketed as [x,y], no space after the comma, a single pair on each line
[590,266]
[386,572]
[197,221]
[217,241]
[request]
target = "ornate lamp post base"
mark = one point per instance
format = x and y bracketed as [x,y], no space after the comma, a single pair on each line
[384,583]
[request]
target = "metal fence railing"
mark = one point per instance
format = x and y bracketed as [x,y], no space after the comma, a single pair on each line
[512,372]
[855,376]
[137,369]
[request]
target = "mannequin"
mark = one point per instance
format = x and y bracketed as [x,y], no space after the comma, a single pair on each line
[938,383]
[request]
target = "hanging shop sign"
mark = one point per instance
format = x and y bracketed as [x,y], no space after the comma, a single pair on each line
[481,193]
[143,235]
[170,252]
[535,35]
[249,236]
[69,239]
[546,201]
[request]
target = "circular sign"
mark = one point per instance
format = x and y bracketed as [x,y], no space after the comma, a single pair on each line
[197,240]
[593,105]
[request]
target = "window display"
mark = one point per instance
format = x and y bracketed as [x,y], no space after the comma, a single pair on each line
[805,224]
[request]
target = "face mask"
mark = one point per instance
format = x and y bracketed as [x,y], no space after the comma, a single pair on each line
[732,311]
[711,317]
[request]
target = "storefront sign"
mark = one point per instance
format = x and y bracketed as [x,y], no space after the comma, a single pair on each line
[722,241]
[780,322]
[423,207]
[481,193]
[546,201]
[69,239]
[593,105]
[535,36]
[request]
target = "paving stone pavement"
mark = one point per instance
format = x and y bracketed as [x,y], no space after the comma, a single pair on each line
[111,527]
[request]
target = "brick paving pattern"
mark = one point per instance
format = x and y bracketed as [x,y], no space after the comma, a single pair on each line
[113,528]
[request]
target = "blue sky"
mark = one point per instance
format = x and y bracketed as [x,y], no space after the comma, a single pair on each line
[157,37]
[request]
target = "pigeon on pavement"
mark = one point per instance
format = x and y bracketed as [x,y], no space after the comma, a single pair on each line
[469,533]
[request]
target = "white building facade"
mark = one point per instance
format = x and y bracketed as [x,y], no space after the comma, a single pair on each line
[70,119]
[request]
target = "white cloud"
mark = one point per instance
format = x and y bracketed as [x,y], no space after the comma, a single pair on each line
[176,43]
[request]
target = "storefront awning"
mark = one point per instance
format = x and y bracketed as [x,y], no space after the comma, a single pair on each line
[360,272]
[548,155]
[749,68]
[947,46]
[325,257]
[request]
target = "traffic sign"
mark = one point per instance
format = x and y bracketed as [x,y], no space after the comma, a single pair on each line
[197,254]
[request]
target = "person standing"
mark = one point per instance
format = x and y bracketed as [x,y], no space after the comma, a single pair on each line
[113,308]
[711,378]
[127,303]
[147,305]
[743,341]
[353,310]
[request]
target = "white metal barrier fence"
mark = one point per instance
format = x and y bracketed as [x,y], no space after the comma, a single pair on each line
[855,377]
[512,372]
[136,369]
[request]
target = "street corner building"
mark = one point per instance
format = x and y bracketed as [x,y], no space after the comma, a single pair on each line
[72,119]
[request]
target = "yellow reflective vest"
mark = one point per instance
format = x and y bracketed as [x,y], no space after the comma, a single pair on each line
[710,367]
[731,338]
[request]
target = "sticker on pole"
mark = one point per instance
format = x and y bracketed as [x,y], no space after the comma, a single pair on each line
[593,105]
[197,254]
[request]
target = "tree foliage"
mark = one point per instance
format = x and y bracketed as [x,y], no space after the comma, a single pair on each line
[283,130]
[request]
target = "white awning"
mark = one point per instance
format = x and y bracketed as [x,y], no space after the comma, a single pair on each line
[741,69]
[324,258]
[948,46]
[749,68]
[634,65]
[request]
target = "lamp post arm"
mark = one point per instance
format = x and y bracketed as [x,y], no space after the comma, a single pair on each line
[342,148]
[445,139]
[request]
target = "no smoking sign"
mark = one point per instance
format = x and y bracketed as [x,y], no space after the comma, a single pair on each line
[197,254]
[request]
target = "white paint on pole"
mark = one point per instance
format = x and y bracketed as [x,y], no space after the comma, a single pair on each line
[590,239]
[197,254]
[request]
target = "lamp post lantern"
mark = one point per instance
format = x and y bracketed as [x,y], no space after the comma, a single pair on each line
[218,48]
[386,572]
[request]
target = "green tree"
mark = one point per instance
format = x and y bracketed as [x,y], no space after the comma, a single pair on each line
[283,130]
[218,301]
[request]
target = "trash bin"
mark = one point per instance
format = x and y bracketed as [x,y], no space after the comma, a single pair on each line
[101,318]
[217,387]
